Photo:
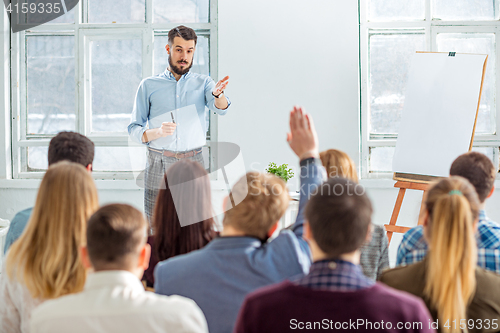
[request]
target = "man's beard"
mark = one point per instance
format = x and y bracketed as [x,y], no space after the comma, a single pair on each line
[176,69]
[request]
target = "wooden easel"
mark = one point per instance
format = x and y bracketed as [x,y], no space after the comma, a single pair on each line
[421,182]
[403,186]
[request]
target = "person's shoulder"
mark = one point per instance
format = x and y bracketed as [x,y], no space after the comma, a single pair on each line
[173,303]
[270,296]
[59,307]
[487,285]
[397,299]
[22,216]
[181,262]
[415,232]
[400,277]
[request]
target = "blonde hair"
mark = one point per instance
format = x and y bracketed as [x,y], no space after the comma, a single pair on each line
[46,258]
[338,164]
[259,200]
[453,206]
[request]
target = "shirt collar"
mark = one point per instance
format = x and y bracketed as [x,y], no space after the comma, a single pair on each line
[482,215]
[104,279]
[233,242]
[168,74]
[335,275]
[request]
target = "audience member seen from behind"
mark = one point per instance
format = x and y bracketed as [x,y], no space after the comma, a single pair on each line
[478,169]
[335,291]
[44,263]
[114,299]
[65,146]
[375,253]
[170,238]
[455,290]
[218,276]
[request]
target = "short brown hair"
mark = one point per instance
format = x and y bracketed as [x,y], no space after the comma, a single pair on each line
[183,32]
[73,147]
[259,200]
[114,234]
[478,169]
[339,214]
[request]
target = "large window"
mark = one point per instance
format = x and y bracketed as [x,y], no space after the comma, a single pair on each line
[390,32]
[81,71]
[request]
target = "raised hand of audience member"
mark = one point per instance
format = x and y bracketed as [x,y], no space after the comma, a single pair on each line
[302,138]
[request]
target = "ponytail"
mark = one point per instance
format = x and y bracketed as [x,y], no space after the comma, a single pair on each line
[453,206]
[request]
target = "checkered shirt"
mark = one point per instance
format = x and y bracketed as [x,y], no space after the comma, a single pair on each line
[413,247]
[335,275]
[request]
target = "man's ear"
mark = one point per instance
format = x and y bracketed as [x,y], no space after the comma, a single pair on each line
[369,234]
[491,192]
[144,256]
[89,167]
[425,218]
[167,47]
[307,231]
[84,253]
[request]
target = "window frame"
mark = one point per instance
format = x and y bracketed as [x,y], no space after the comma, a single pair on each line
[83,34]
[430,29]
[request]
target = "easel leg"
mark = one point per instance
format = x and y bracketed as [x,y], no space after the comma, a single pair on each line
[395,212]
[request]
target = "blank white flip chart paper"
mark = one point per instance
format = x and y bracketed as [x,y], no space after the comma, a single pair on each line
[438,116]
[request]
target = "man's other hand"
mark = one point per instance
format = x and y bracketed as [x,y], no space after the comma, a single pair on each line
[302,137]
[166,129]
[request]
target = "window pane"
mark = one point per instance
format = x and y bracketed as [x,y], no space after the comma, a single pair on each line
[483,44]
[381,159]
[181,11]
[50,84]
[465,9]
[200,60]
[390,58]
[117,11]
[119,159]
[37,158]
[396,10]
[116,74]
[488,151]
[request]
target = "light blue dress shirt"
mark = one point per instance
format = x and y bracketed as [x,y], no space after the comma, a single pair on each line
[187,100]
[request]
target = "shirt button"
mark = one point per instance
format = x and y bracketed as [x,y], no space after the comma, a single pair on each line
[332,265]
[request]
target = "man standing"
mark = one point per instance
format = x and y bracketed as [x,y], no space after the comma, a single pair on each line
[174,105]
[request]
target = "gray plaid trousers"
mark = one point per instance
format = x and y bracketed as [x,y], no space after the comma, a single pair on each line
[156,166]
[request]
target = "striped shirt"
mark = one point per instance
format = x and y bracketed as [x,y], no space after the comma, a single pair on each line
[413,247]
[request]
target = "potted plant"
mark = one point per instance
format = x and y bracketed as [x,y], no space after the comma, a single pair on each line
[282,171]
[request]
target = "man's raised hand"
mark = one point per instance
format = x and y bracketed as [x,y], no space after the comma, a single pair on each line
[220,86]
[166,129]
[302,138]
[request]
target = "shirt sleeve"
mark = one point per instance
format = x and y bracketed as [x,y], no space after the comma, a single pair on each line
[210,99]
[384,254]
[140,114]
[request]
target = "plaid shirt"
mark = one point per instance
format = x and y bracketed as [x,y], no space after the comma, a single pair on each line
[335,275]
[413,247]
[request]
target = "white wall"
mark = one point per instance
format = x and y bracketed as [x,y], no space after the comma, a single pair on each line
[278,53]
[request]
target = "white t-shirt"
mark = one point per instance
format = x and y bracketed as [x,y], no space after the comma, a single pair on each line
[115,301]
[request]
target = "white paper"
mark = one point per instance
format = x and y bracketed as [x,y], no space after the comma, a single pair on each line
[439,112]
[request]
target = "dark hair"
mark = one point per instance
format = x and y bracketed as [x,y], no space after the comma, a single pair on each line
[478,169]
[71,146]
[339,215]
[183,32]
[114,234]
[170,238]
